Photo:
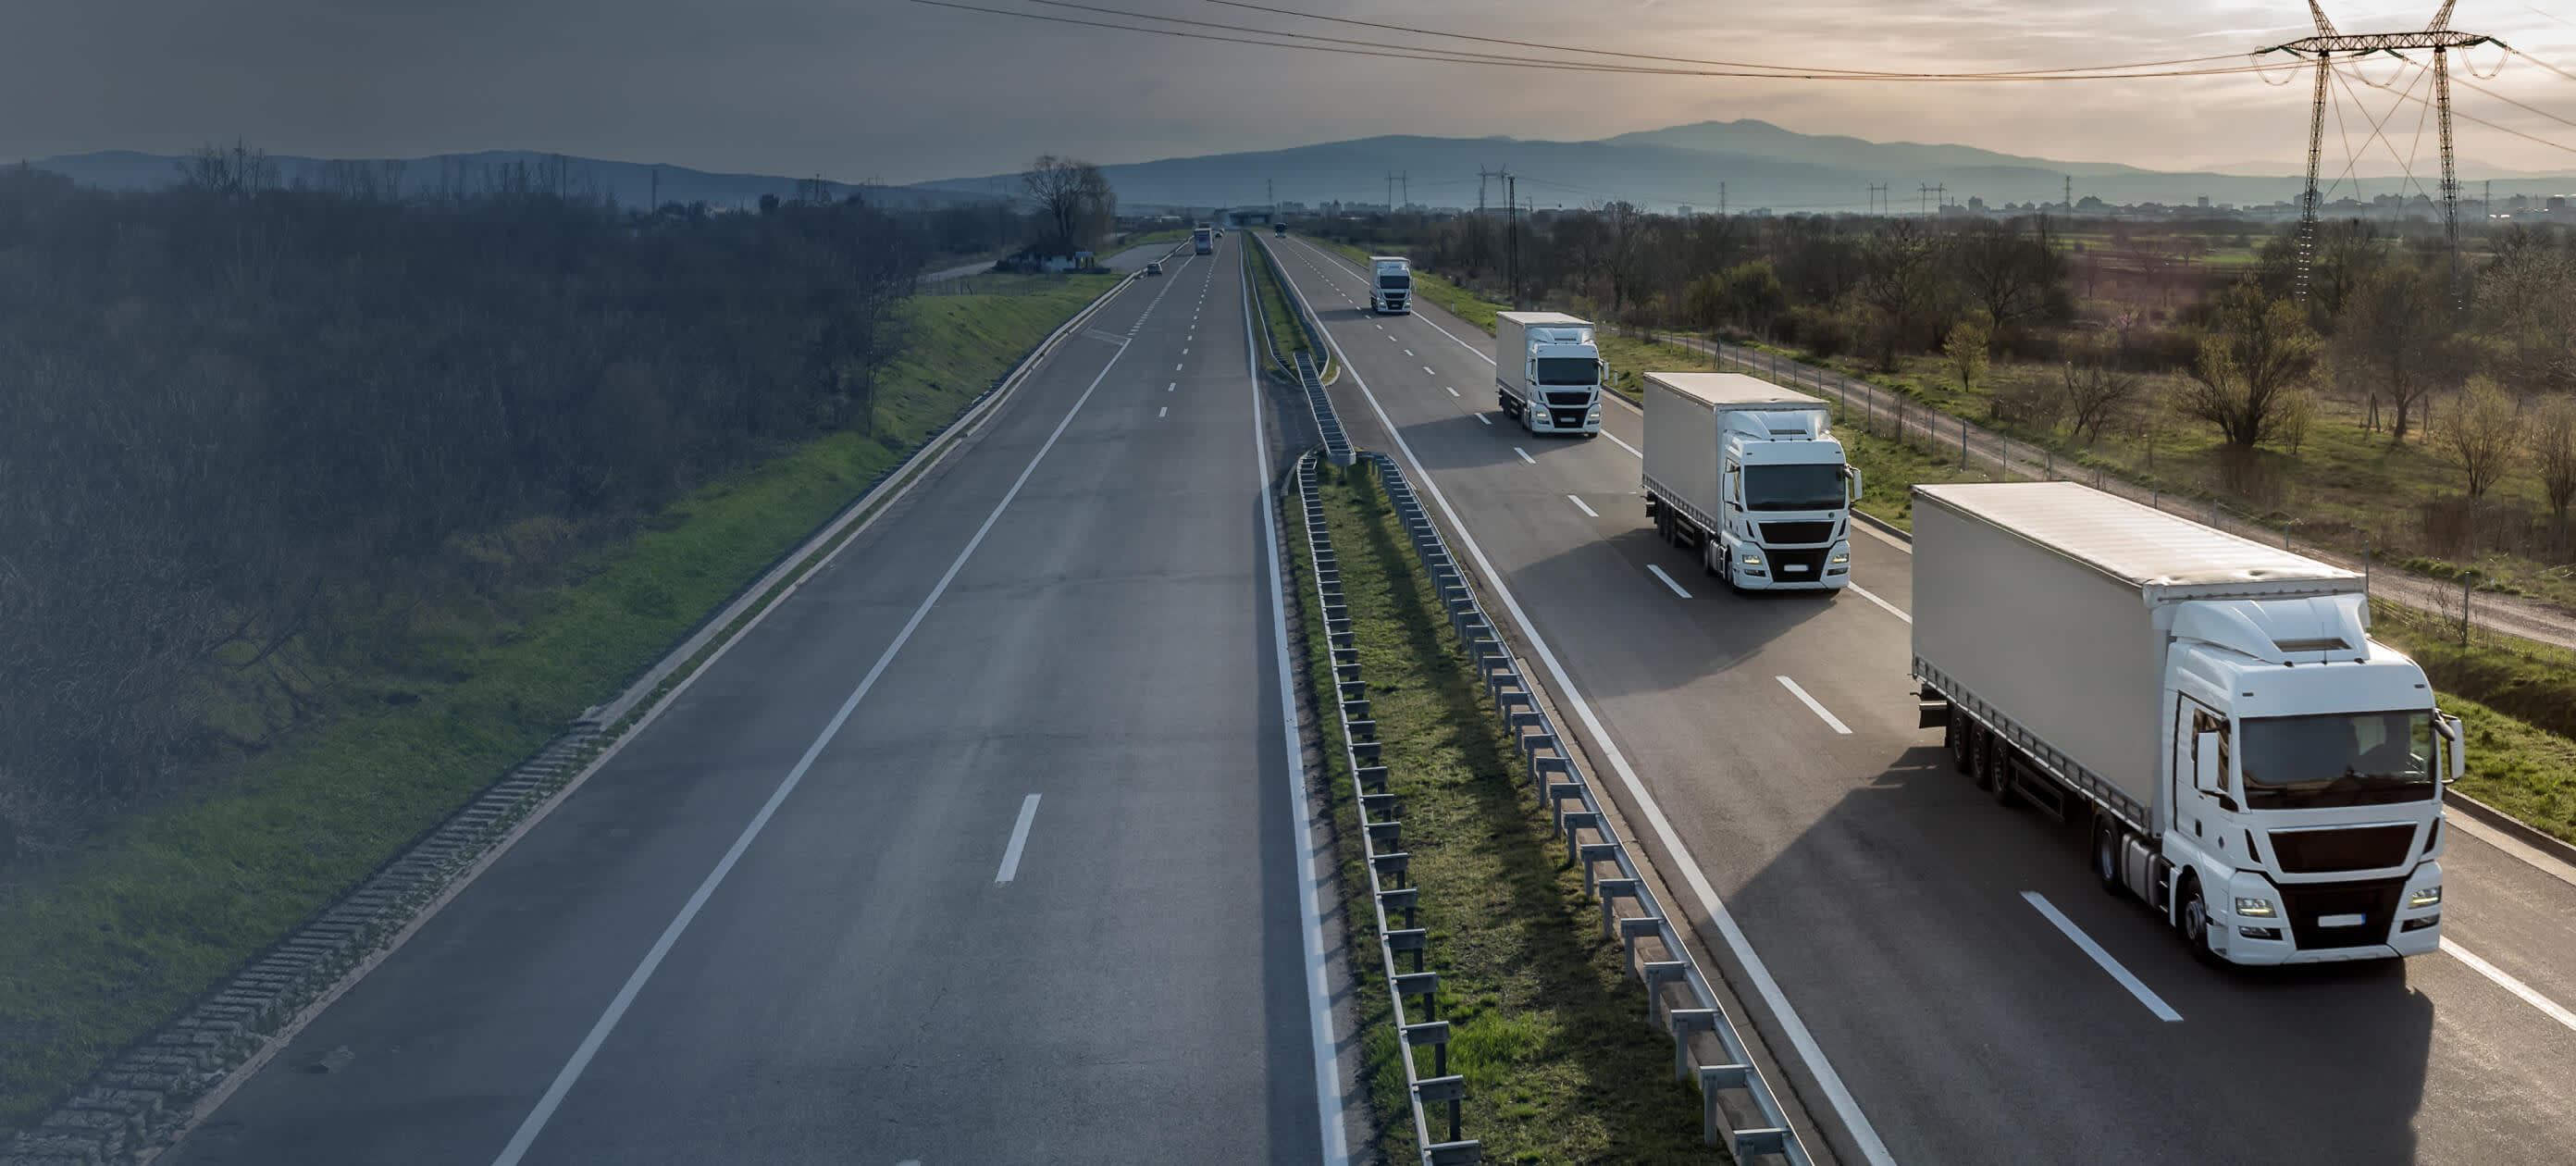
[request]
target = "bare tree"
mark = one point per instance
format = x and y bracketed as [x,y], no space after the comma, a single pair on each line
[2481,434]
[236,172]
[1074,200]
[1901,281]
[2394,342]
[2553,453]
[2256,352]
[2097,391]
[2013,274]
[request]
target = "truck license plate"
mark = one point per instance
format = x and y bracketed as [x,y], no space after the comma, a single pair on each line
[1794,568]
[2342,920]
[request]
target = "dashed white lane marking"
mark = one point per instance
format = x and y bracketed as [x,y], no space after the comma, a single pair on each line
[1668,580]
[1578,504]
[1162,411]
[1524,455]
[1426,371]
[1171,386]
[1452,392]
[1019,841]
[1485,419]
[2154,1003]
[1811,703]
[1855,589]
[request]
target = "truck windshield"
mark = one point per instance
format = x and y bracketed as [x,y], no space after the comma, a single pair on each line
[2339,759]
[1393,280]
[1568,370]
[1808,487]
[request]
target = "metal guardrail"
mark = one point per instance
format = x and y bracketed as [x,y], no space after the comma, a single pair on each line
[1555,779]
[1381,842]
[1337,444]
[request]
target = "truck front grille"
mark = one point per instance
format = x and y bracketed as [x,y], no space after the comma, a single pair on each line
[1578,397]
[2375,902]
[2359,848]
[1566,418]
[1797,566]
[1797,532]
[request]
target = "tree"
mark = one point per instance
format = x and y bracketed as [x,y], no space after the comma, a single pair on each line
[2015,276]
[1075,203]
[1900,280]
[1967,349]
[1754,295]
[2553,453]
[2096,391]
[2480,433]
[2256,351]
[2394,341]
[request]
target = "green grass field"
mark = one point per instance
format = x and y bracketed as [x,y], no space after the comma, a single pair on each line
[1561,1061]
[120,938]
[1279,316]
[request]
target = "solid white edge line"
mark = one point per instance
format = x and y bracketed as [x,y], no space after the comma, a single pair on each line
[1019,840]
[1801,1041]
[1524,455]
[1813,705]
[2155,1004]
[1668,580]
[535,1122]
[1578,504]
[1885,537]
[1319,1000]
[2555,1010]
[1892,609]
[2512,847]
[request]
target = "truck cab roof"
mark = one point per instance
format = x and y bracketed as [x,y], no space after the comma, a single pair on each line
[1733,390]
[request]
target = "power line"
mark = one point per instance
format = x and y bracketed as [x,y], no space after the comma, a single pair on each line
[1452,56]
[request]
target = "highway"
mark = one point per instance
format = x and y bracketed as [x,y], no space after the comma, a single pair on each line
[1898,915]
[984,845]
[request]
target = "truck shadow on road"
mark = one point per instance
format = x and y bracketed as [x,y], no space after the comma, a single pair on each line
[1960,1015]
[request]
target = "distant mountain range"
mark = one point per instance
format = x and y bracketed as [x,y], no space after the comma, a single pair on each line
[633,184]
[1760,165]
[1746,164]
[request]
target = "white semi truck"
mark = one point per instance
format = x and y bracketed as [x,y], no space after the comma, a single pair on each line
[1749,475]
[1391,283]
[2254,767]
[1201,242]
[1548,372]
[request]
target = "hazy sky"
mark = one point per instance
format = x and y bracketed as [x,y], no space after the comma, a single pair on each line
[892,91]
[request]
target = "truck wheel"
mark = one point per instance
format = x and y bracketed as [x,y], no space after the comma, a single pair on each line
[2106,853]
[1954,737]
[1999,773]
[1979,743]
[2193,921]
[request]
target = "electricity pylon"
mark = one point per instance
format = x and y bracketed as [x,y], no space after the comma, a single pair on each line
[2320,49]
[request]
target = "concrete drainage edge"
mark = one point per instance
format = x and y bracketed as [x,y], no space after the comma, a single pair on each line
[135,1107]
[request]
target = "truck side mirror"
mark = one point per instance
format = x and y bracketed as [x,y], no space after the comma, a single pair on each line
[1854,472]
[2455,751]
[2206,776]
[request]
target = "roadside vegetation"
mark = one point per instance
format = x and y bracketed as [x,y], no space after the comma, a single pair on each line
[1279,316]
[368,587]
[1561,1061]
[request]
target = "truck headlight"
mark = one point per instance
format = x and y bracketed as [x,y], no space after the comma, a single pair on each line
[2427,897]
[1752,560]
[2254,908]
[1841,559]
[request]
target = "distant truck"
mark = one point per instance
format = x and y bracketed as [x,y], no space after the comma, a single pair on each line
[1749,474]
[1392,289]
[2254,766]
[1548,372]
[1201,242]
[1278,230]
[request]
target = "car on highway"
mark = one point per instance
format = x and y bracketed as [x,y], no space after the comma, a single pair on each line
[1153,269]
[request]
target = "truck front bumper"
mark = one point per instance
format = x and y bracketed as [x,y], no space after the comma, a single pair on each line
[2402,930]
[1545,418]
[1760,568]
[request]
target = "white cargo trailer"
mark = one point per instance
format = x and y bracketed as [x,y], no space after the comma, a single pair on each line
[1548,372]
[2251,763]
[1749,475]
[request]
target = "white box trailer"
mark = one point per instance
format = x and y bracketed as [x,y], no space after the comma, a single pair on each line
[2251,763]
[1548,372]
[1749,475]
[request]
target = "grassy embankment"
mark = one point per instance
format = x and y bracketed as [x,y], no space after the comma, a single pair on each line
[1561,1060]
[1279,316]
[98,952]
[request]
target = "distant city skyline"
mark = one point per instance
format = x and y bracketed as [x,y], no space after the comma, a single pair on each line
[896,92]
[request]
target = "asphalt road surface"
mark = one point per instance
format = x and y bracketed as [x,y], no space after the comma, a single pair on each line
[1888,898]
[985,840]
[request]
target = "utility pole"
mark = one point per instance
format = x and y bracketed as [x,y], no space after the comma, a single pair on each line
[2070,196]
[1940,197]
[1405,180]
[1878,197]
[1922,200]
[1721,200]
[2319,51]
[1390,192]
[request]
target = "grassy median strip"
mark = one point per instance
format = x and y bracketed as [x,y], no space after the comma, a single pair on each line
[1279,316]
[1561,1061]
[102,953]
